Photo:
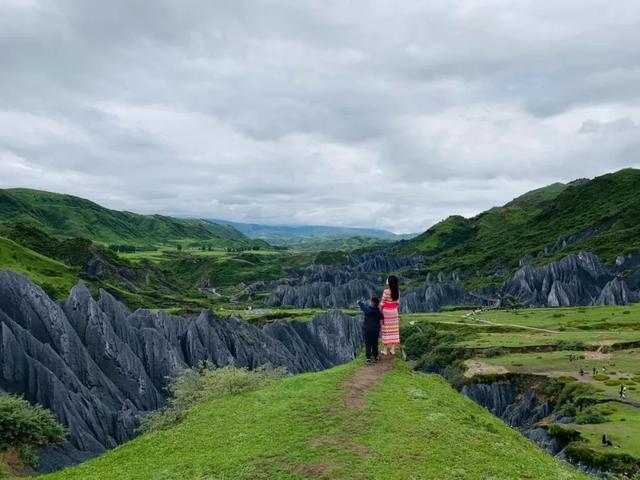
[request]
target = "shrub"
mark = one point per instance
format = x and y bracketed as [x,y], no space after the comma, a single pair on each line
[567,345]
[590,416]
[608,461]
[612,383]
[601,377]
[23,425]
[564,434]
[202,384]
[494,352]
[417,339]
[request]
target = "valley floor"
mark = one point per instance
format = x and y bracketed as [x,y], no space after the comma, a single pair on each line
[350,422]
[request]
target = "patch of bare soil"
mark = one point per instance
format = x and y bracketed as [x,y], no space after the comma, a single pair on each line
[17,468]
[478,368]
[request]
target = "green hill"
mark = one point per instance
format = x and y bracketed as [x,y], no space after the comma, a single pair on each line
[52,275]
[609,205]
[379,422]
[69,216]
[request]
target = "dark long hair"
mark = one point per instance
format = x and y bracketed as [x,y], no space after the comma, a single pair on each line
[393,286]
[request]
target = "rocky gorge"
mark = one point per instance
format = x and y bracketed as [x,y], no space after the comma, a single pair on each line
[98,367]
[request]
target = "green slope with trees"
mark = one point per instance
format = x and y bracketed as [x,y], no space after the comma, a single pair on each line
[69,216]
[501,236]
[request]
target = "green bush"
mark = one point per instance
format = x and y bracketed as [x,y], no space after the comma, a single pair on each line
[564,434]
[570,346]
[601,377]
[612,383]
[417,339]
[494,352]
[205,383]
[590,416]
[23,425]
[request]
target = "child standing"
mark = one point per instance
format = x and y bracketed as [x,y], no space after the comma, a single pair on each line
[371,328]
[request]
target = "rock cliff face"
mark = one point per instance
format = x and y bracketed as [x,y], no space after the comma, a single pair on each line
[98,367]
[504,399]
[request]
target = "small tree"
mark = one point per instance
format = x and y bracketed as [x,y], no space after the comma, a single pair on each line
[24,426]
[179,247]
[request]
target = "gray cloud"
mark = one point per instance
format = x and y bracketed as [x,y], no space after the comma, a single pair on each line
[368,114]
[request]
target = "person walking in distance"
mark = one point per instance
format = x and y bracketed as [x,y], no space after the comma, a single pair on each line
[389,306]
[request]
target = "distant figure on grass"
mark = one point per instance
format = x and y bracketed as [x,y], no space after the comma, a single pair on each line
[371,328]
[391,322]
[623,390]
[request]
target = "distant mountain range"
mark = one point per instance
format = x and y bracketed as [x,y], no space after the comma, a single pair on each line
[315,236]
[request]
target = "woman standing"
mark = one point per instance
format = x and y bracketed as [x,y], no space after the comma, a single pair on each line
[391,323]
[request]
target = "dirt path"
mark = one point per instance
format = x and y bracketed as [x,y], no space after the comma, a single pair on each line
[364,379]
[351,401]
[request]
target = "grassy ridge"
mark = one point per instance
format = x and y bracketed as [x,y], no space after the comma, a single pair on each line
[413,426]
[534,221]
[69,216]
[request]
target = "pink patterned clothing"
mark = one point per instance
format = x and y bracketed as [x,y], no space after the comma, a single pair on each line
[391,322]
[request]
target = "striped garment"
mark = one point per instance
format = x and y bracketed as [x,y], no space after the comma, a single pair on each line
[391,322]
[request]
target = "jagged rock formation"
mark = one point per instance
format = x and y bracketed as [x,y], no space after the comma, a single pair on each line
[616,292]
[580,279]
[574,280]
[323,294]
[97,366]
[432,298]
[320,286]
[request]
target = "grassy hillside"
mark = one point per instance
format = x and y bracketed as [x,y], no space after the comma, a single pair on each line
[527,225]
[53,276]
[348,422]
[69,216]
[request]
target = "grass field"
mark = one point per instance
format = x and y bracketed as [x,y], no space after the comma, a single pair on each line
[401,425]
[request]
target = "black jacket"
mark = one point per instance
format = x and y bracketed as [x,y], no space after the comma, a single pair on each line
[372,318]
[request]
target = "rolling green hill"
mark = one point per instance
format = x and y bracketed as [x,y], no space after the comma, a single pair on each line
[69,216]
[608,205]
[376,422]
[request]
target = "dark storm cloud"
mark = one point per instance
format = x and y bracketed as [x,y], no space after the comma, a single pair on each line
[380,113]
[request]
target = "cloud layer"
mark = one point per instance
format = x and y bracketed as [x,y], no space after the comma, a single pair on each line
[379,113]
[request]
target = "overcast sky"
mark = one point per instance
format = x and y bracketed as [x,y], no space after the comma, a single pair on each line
[391,114]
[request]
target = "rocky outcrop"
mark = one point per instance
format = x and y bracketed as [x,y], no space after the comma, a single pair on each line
[324,294]
[616,292]
[516,407]
[574,280]
[98,367]
[432,298]
[383,262]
